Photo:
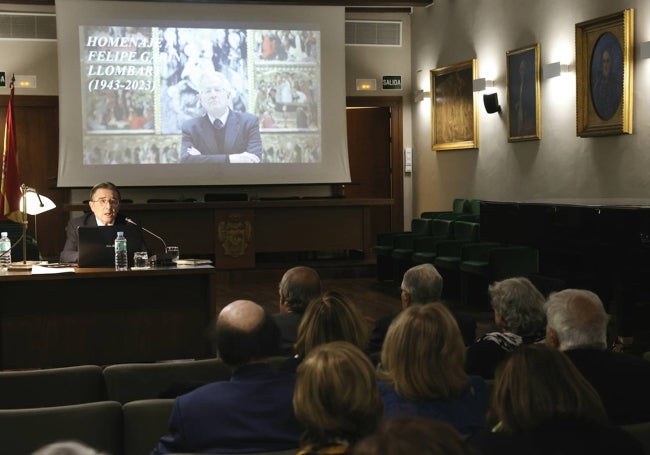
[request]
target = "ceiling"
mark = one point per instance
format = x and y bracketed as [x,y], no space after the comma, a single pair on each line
[349,3]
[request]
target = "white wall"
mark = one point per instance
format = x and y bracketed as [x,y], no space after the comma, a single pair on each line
[561,166]
[373,62]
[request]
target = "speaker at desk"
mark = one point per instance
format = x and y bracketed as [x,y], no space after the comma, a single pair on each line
[491,102]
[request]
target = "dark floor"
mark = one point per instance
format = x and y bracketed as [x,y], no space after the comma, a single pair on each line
[357,280]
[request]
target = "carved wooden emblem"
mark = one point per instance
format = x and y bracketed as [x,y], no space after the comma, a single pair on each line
[234,235]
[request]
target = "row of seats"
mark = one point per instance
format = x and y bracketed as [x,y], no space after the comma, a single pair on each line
[451,242]
[122,383]
[132,428]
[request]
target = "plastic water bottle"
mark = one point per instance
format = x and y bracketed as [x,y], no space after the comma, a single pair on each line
[5,252]
[121,258]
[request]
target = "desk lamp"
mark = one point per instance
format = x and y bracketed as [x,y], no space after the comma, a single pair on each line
[31,203]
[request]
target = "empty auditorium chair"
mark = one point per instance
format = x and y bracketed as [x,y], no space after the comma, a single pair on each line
[145,422]
[51,387]
[486,265]
[459,207]
[139,381]
[98,425]
[386,243]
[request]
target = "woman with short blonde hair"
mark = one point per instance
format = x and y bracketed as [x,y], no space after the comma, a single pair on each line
[336,398]
[422,370]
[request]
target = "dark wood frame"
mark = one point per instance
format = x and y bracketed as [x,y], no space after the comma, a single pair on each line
[619,29]
[446,84]
[530,56]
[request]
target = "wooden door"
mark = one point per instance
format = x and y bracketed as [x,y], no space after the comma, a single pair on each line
[374,148]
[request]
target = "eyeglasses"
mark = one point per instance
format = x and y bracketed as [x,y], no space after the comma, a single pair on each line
[104,201]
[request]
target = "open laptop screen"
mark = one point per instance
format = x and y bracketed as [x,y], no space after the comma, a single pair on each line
[96,244]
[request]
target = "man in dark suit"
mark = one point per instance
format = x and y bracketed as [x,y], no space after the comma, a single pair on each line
[576,323]
[221,135]
[253,411]
[104,211]
[421,284]
[298,286]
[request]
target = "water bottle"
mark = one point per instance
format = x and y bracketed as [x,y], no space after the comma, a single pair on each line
[5,252]
[121,257]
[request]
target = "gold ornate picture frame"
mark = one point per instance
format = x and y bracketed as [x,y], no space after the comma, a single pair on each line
[604,75]
[454,110]
[522,82]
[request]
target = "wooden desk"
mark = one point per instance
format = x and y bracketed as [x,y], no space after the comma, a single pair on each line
[233,232]
[100,316]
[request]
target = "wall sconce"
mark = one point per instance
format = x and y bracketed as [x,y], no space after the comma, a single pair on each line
[554,69]
[364,85]
[478,85]
[420,95]
[645,49]
[491,103]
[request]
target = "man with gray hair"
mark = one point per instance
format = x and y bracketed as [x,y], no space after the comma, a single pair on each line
[298,286]
[577,324]
[421,284]
[222,135]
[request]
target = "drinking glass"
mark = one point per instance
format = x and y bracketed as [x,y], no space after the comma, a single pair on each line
[173,252]
[140,260]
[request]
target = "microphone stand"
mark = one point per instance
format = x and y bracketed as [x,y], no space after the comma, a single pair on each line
[163,259]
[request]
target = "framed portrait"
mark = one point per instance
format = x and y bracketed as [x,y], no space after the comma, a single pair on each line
[454,117]
[522,82]
[604,65]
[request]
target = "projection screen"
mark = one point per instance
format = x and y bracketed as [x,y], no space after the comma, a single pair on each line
[135,97]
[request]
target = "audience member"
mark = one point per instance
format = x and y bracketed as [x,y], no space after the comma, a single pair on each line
[542,404]
[413,435]
[423,374]
[577,325]
[336,398]
[66,448]
[421,284]
[519,314]
[330,317]
[299,286]
[252,412]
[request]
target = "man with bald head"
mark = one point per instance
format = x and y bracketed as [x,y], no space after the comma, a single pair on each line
[298,286]
[253,411]
[576,323]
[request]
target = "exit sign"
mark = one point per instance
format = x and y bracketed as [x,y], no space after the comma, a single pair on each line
[3,82]
[391,82]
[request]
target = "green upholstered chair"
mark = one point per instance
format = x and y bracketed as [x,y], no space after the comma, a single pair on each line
[145,422]
[51,387]
[425,249]
[485,265]
[459,207]
[98,425]
[139,381]
[387,242]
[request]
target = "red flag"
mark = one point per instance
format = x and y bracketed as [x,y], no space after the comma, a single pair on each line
[10,179]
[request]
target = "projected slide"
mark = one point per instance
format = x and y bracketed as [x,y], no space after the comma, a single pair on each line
[145,95]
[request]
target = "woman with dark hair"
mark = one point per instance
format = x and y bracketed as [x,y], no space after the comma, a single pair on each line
[413,435]
[542,404]
[336,398]
[422,370]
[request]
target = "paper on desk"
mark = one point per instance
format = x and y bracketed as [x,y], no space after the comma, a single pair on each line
[41,270]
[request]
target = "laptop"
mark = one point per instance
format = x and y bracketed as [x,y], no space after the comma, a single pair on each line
[96,244]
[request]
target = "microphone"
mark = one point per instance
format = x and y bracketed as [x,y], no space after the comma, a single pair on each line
[161,259]
[129,220]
